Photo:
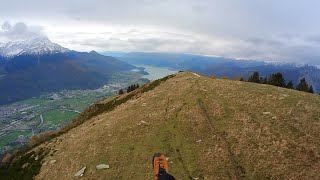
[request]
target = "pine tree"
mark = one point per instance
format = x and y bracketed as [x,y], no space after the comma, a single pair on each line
[277,80]
[290,85]
[129,89]
[121,91]
[311,90]
[303,85]
[254,78]
[132,87]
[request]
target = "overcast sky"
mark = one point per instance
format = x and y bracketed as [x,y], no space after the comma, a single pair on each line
[274,30]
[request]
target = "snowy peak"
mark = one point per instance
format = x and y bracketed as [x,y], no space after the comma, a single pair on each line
[35,46]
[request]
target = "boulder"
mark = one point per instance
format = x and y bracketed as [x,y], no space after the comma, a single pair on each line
[80,172]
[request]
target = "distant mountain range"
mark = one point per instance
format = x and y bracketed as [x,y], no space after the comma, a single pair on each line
[228,67]
[32,67]
[35,66]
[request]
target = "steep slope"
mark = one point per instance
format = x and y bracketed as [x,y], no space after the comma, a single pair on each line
[210,129]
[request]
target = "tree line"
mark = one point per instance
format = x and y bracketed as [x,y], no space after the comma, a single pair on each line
[277,79]
[130,88]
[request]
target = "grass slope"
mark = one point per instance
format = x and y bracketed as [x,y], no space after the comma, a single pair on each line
[210,129]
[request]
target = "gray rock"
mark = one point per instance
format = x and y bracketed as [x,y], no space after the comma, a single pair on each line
[80,172]
[53,161]
[142,123]
[102,166]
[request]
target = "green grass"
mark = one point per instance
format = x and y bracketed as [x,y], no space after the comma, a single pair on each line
[35,100]
[156,83]
[58,117]
[11,137]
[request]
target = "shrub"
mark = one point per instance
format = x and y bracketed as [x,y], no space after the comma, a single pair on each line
[121,91]
[7,158]
[23,167]
[33,140]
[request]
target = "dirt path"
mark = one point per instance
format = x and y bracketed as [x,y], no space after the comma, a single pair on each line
[238,170]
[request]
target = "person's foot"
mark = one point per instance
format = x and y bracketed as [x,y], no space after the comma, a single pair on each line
[160,165]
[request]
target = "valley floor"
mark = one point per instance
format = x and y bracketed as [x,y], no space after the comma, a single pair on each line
[51,111]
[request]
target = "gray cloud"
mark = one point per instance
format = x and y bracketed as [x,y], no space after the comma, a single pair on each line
[18,31]
[274,30]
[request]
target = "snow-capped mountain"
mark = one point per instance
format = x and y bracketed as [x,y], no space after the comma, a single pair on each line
[36,66]
[35,46]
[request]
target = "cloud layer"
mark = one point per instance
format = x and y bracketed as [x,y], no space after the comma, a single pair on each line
[18,31]
[269,29]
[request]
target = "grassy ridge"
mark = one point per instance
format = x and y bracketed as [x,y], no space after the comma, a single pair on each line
[209,129]
[17,169]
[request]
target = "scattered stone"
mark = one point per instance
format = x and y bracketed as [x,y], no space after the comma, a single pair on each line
[196,178]
[53,161]
[142,122]
[274,117]
[167,158]
[80,172]
[199,141]
[144,104]
[196,74]
[266,113]
[171,162]
[281,98]
[102,166]
[109,135]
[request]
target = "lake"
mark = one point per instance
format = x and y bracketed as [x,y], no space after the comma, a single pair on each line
[156,72]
